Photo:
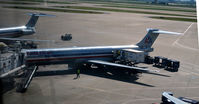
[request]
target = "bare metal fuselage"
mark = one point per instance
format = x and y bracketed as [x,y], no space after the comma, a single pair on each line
[16,31]
[83,54]
[72,55]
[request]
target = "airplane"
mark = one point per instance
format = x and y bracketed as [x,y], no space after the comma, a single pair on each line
[101,55]
[76,57]
[11,33]
[168,98]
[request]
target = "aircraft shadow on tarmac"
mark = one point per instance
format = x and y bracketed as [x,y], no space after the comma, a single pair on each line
[115,76]
[99,73]
[167,69]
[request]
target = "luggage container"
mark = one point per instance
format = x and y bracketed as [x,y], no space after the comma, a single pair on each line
[148,60]
[163,62]
[168,64]
[176,65]
[157,60]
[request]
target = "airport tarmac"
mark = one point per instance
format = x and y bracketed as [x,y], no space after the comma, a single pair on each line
[108,29]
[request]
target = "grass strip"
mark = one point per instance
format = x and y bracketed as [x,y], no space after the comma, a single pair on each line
[135,2]
[152,7]
[175,19]
[16,2]
[122,10]
[53,10]
[46,1]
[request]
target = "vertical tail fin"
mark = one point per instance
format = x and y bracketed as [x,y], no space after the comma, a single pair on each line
[34,18]
[151,36]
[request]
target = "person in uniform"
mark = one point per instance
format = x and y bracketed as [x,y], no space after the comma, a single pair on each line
[78,73]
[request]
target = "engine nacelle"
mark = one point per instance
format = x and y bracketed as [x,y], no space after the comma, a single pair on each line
[148,49]
[28,31]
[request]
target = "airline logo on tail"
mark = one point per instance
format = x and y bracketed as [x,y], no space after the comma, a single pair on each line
[148,40]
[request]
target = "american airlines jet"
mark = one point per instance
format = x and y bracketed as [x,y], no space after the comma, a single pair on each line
[75,56]
[102,55]
[11,33]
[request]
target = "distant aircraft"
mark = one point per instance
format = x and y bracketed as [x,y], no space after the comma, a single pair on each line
[170,99]
[12,32]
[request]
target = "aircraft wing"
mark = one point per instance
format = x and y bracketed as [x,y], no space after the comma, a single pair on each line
[18,39]
[173,99]
[144,70]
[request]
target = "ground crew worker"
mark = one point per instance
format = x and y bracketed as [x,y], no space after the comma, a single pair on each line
[78,73]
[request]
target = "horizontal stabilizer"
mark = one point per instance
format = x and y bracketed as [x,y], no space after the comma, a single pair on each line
[166,32]
[40,14]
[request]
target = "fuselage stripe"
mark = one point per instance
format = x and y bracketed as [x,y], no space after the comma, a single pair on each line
[63,58]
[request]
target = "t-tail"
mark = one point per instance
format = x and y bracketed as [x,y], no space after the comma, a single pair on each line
[151,36]
[34,17]
[28,29]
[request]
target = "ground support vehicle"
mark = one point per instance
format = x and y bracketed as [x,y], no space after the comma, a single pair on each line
[168,64]
[66,37]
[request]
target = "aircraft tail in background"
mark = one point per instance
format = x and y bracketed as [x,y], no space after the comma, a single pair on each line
[34,17]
